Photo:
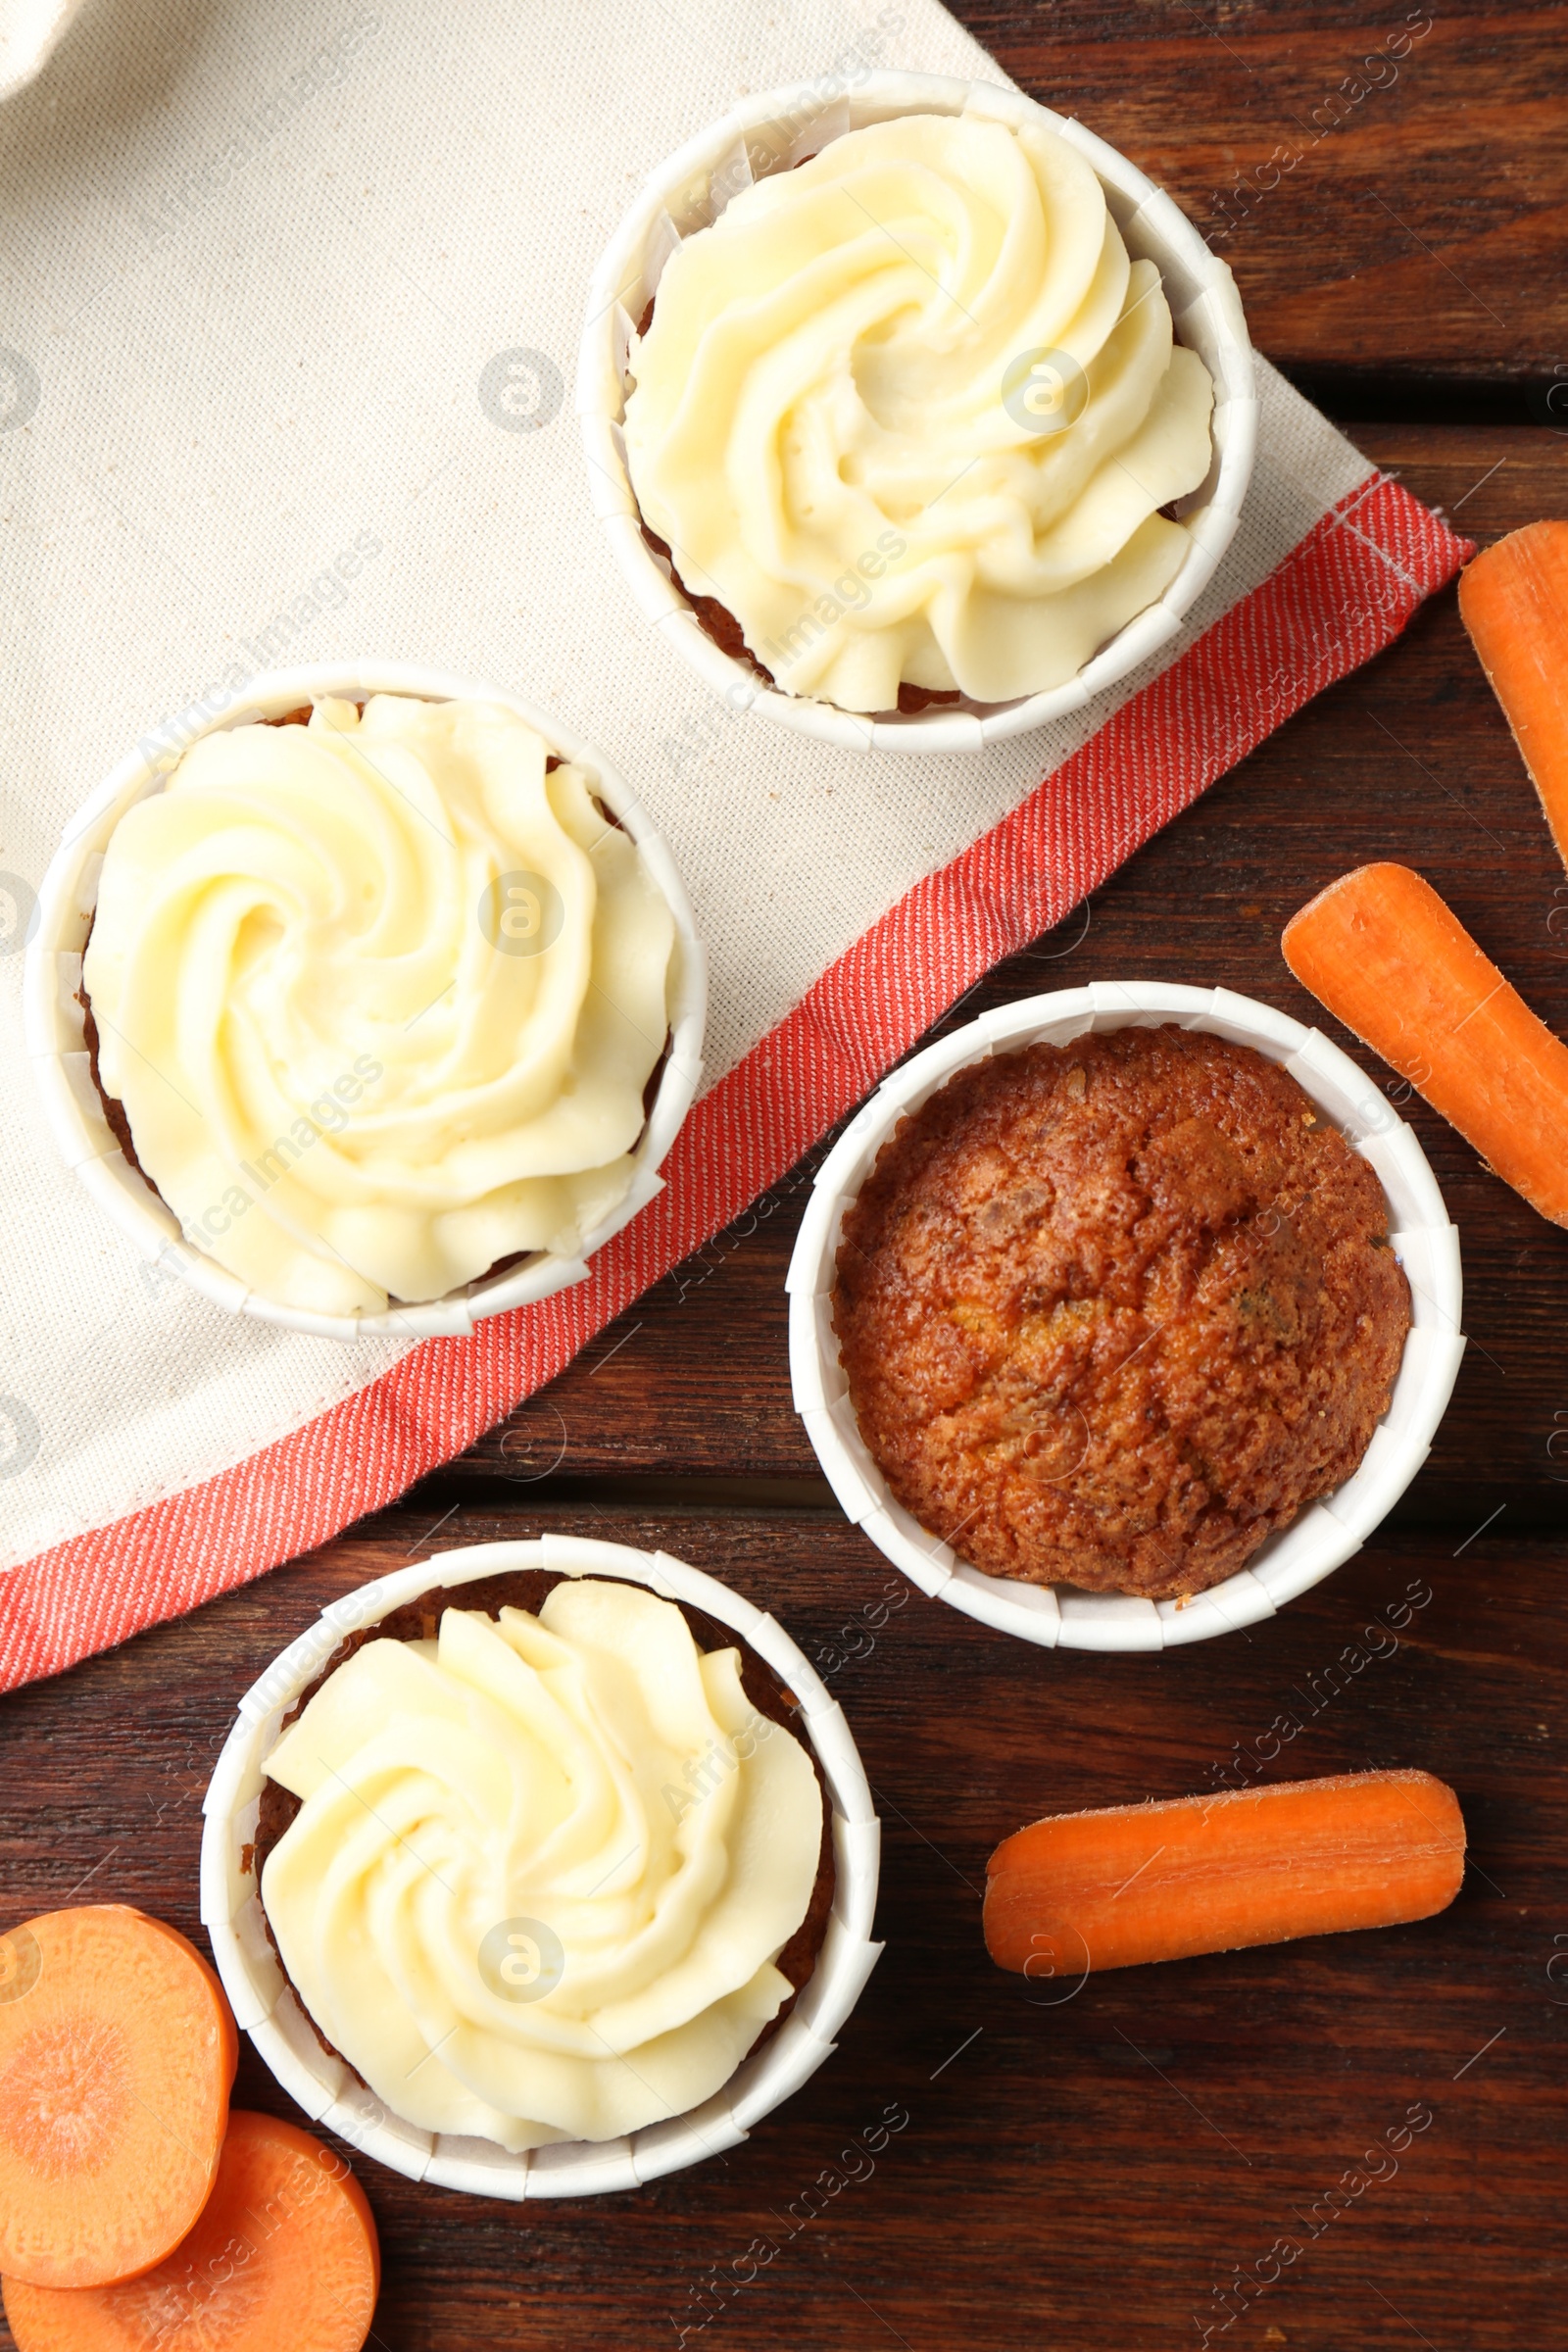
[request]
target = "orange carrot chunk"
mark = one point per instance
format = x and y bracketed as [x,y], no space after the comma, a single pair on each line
[1514,600]
[283,2259]
[1384,953]
[117,2053]
[1081,1892]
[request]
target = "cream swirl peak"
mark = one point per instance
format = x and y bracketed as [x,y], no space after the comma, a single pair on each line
[379,997]
[910,413]
[543,1867]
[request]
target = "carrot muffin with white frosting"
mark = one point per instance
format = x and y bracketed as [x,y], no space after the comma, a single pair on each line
[912,418]
[544,1872]
[374,1000]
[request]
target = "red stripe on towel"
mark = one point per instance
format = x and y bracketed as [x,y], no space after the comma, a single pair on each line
[1340,597]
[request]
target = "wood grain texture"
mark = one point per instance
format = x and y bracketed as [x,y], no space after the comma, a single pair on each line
[1086,2170]
[1390,198]
[1084,2163]
[1410,758]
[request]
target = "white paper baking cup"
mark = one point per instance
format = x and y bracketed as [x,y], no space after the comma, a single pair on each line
[779,128]
[53,1019]
[1329,1531]
[264,2005]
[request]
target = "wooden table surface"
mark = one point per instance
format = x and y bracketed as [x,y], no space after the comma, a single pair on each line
[1090,2172]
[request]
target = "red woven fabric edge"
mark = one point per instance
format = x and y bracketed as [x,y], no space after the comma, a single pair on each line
[1343,594]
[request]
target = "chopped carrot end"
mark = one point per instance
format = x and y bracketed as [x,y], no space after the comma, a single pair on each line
[1083,1892]
[1393,962]
[1514,603]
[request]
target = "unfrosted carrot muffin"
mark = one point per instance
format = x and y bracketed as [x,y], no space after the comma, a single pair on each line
[1112,1313]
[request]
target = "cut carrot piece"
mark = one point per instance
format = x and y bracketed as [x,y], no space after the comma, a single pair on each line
[1081,1892]
[283,2259]
[117,2053]
[1384,953]
[1514,600]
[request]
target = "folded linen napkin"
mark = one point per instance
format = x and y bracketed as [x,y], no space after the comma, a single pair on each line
[259,280]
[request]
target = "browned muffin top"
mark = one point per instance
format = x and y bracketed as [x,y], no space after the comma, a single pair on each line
[1112,1313]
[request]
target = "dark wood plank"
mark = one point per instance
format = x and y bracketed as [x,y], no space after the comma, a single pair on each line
[1415,229]
[1409,759]
[1082,2170]
[1085,2171]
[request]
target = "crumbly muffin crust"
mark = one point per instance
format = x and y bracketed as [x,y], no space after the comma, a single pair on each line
[1112,1313]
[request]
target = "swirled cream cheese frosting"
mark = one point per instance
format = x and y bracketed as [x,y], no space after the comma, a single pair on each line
[379,996]
[910,414]
[543,1867]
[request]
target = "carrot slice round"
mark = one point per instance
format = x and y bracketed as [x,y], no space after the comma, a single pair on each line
[283,2259]
[117,2053]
